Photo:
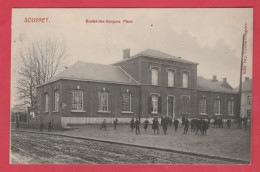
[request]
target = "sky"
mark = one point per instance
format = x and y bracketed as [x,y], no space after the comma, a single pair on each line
[211,37]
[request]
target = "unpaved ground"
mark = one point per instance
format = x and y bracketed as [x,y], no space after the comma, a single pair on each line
[233,143]
[31,148]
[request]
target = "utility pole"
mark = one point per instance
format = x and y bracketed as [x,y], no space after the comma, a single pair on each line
[240,81]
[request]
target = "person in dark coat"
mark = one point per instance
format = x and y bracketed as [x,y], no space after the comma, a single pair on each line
[155,125]
[17,125]
[204,127]
[186,126]
[175,124]
[49,127]
[239,122]
[137,124]
[115,123]
[245,122]
[41,127]
[132,124]
[182,121]
[146,122]
[228,123]
[164,124]
[103,125]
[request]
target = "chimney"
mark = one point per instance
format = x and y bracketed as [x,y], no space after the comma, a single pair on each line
[214,79]
[126,54]
[246,78]
[224,80]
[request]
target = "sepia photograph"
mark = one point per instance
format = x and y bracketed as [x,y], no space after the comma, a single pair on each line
[131,86]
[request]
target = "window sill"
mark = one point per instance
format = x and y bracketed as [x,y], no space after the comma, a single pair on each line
[55,111]
[104,111]
[217,114]
[46,112]
[170,86]
[203,114]
[126,112]
[231,115]
[77,111]
[154,113]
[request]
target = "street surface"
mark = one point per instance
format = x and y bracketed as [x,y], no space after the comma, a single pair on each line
[33,148]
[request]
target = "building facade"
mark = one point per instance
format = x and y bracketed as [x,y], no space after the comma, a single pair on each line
[146,85]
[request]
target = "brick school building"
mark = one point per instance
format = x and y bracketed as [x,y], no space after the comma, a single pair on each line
[148,84]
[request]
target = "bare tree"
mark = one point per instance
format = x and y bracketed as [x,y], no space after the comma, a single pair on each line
[40,60]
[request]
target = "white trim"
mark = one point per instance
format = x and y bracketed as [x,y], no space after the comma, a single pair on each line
[158,67]
[89,80]
[185,96]
[77,111]
[126,112]
[99,111]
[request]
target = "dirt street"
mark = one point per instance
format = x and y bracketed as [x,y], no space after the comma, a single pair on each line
[30,148]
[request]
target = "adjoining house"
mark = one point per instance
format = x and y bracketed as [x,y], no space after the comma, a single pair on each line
[148,84]
[246,98]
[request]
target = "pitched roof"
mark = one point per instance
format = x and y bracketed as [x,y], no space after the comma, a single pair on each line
[158,54]
[95,72]
[207,85]
[246,85]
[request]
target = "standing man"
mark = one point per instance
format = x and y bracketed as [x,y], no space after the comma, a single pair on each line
[245,122]
[228,123]
[155,125]
[49,127]
[186,126]
[164,124]
[17,124]
[146,122]
[103,125]
[41,127]
[132,124]
[183,121]
[239,122]
[176,124]
[137,124]
[115,123]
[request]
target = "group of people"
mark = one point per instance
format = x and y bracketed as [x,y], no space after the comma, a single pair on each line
[196,125]
[49,127]
[242,122]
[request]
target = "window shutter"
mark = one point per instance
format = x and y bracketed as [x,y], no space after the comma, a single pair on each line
[160,105]
[149,104]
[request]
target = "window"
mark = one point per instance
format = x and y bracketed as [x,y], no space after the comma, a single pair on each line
[46,102]
[154,76]
[217,106]
[185,99]
[103,101]
[202,106]
[185,79]
[77,100]
[56,100]
[154,104]
[249,99]
[231,107]
[126,102]
[170,78]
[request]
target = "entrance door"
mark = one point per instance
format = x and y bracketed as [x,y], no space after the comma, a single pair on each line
[171,107]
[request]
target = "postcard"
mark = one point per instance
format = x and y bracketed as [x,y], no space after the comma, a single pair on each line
[131,85]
